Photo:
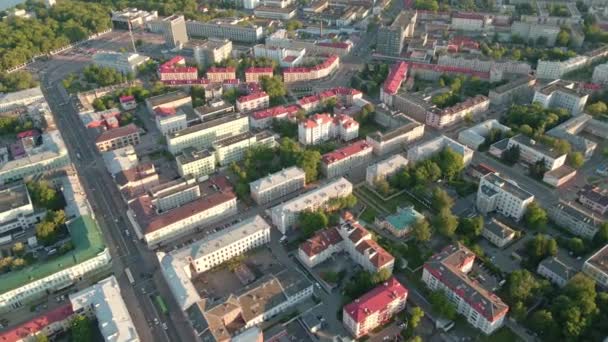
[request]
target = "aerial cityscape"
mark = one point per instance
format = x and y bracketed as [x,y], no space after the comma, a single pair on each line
[303,170]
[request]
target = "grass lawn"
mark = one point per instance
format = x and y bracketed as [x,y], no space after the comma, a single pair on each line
[368,215]
[392,204]
[369,128]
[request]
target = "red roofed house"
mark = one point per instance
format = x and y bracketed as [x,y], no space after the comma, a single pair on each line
[322,127]
[296,74]
[354,239]
[262,118]
[447,271]
[128,102]
[374,308]
[393,82]
[218,75]
[441,118]
[253,102]
[48,324]
[117,138]
[255,74]
[342,94]
[170,120]
[340,161]
[176,70]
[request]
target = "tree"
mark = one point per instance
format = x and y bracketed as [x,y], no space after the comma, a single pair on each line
[510,155]
[81,329]
[44,195]
[576,245]
[597,108]
[446,223]
[581,290]
[576,159]
[15,81]
[536,217]
[542,322]
[429,5]
[421,230]
[562,146]
[563,38]
[42,338]
[275,88]
[441,200]
[442,305]
[381,276]
[293,25]
[416,316]
[521,285]
[311,221]
[18,248]
[309,162]
[518,311]
[382,186]
[471,227]
[602,234]
[450,163]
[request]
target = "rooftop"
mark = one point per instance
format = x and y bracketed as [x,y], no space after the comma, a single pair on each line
[376,300]
[389,164]
[498,228]
[514,84]
[277,178]
[346,152]
[228,117]
[116,133]
[594,194]
[577,213]
[190,155]
[160,100]
[404,218]
[252,97]
[600,260]
[508,185]
[31,327]
[395,77]
[330,189]
[322,240]
[558,267]
[13,196]
[537,146]
[408,124]
[275,112]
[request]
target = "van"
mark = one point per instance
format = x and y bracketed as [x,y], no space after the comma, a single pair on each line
[283,239]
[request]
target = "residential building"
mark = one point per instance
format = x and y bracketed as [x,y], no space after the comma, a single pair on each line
[263,118]
[283,56]
[174,30]
[447,271]
[428,149]
[555,270]
[175,69]
[570,129]
[195,163]
[481,63]
[218,75]
[232,149]
[117,138]
[475,136]
[349,237]
[251,102]
[213,109]
[559,176]
[390,38]
[442,118]
[560,94]
[173,194]
[88,258]
[392,84]
[255,74]
[385,169]
[519,90]
[157,228]
[285,215]
[212,51]
[414,104]
[502,195]
[400,223]
[428,71]
[120,159]
[574,219]
[301,74]
[278,184]
[374,308]
[50,323]
[531,151]
[49,155]
[104,302]
[594,198]
[466,21]
[596,267]
[408,131]
[600,74]
[226,244]
[201,136]
[556,69]
[226,28]
[322,127]
[347,96]
[497,233]
[341,161]
[20,98]
[173,99]
[135,181]
[123,62]
[17,212]
[169,120]
[132,18]
[533,31]
[273,12]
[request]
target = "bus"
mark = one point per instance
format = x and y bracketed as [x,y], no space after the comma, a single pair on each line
[160,303]
[129,276]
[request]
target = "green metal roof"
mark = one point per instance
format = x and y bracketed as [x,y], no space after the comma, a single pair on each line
[87,241]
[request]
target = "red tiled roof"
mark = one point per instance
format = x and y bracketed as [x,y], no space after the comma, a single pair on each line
[176,65]
[345,152]
[165,111]
[117,133]
[28,133]
[289,58]
[35,325]
[468,15]
[173,61]
[252,97]
[126,98]
[325,64]
[449,69]
[253,70]
[308,99]
[274,112]
[395,78]
[464,105]
[376,300]
[183,82]
[231,81]
[321,241]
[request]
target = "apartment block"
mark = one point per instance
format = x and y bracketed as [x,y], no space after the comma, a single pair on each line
[385,169]
[600,74]
[322,127]
[447,271]
[555,270]
[532,31]
[479,62]
[212,51]
[251,102]
[195,163]
[123,62]
[406,132]
[570,131]
[219,75]
[263,118]
[118,138]
[519,90]
[468,21]
[285,215]
[341,161]
[594,198]
[172,99]
[560,94]
[349,237]
[497,233]
[255,74]
[392,84]
[596,267]
[502,195]
[174,30]
[20,98]
[374,308]
[175,69]
[556,69]
[429,148]
[226,28]
[475,136]
[232,149]
[201,136]
[285,57]
[169,120]
[531,151]
[347,96]
[390,38]
[442,118]
[277,185]
[17,212]
[302,74]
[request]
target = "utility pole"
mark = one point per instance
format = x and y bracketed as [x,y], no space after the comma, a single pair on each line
[131,34]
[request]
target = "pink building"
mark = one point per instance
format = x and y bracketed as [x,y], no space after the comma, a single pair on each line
[253,102]
[255,74]
[322,127]
[176,70]
[344,95]
[218,75]
[393,82]
[341,161]
[296,74]
[263,118]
